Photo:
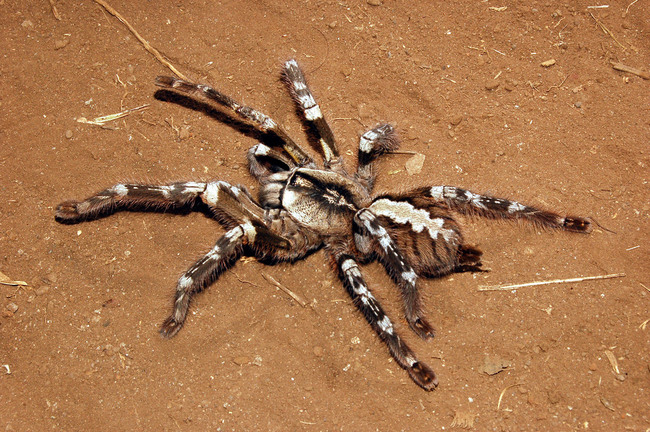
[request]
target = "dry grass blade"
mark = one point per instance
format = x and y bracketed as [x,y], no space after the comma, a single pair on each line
[612,361]
[554,281]
[291,294]
[142,40]
[503,392]
[6,280]
[101,121]
[605,30]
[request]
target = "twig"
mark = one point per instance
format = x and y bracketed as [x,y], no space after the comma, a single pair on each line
[57,15]
[146,44]
[554,281]
[291,294]
[629,69]
[603,28]
[504,392]
[557,86]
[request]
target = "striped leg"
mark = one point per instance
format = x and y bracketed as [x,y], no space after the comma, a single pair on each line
[464,201]
[204,272]
[399,269]
[129,196]
[259,120]
[372,310]
[372,144]
[302,95]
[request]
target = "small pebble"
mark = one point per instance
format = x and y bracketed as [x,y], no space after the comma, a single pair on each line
[61,43]
[491,85]
[241,360]
[414,164]
[332,25]
[578,104]
[184,133]
[68,134]
[12,307]
[456,120]
[42,290]
[374,2]
[548,63]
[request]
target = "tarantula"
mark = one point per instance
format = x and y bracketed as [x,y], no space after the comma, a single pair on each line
[302,207]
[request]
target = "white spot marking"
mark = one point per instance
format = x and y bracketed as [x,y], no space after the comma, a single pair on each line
[515,207]
[211,194]
[313,113]
[249,231]
[410,276]
[185,282]
[403,212]
[120,189]
[385,325]
[367,140]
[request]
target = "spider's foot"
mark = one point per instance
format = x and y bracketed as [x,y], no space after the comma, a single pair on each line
[68,212]
[423,376]
[422,328]
[170,327]
[578,224]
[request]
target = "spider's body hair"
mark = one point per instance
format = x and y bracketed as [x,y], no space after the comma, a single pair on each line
[302,208]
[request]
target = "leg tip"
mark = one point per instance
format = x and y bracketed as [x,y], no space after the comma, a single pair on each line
[423,329]
[423,376]
[68,212]
[170,327]
[578,224]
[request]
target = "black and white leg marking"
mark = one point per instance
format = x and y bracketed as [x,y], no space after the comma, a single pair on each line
[465,201]
[372,310]
[204,272]
[129,196]
[305,99]
[372,144]
[258,119]
[399,269]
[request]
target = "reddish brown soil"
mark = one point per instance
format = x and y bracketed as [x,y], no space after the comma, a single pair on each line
[79,346]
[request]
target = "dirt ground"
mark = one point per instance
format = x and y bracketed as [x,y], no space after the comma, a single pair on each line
[464,83]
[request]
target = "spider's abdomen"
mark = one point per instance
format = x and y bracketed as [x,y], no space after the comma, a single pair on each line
[428,237]
[322,200]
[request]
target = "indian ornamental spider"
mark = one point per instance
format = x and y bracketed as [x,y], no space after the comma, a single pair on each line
[303,207]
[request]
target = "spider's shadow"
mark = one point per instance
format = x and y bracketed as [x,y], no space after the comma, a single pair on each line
[219,115]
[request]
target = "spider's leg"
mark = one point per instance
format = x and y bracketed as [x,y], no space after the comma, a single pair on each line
[399,269]
[258,119]
[201,274]
[372,144]
[467,202]
[311,111]
[375,315]
[129,196]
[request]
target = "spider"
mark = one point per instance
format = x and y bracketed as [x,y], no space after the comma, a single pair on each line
[303,207]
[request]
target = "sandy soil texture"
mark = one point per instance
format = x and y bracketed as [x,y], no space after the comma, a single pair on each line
[513,99]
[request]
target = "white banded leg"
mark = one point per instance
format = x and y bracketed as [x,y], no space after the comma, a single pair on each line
[399,269]
[465,201]
[372,144]
[379,321]
[258,119]
[313,115]
[205,271]
[129,196]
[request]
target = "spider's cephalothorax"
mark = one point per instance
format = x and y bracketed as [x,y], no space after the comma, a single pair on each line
[302,207]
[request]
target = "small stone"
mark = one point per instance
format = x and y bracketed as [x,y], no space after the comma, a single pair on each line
[68,134]
[491,85]
[374,2]
[548,63]
[414,164]
[12,307]
[42,290]
[184,133]
[61,43]
[241,360]
[332,25]
[578,104]
[456,120]
[593,367]
[27,24]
